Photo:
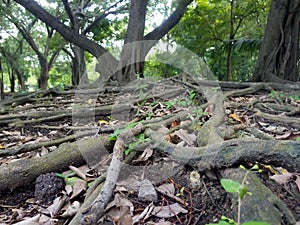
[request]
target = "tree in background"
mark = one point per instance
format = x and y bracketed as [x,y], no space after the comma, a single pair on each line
[278,55]
[87,17]
[11,54]
[42,47]
[134,33]
[224,34]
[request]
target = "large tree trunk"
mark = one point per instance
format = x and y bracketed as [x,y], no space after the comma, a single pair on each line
[12,78]
[44,74]
[79,72]
[1,83]
[131,53]
[277,59]
[231,36]
[20,78]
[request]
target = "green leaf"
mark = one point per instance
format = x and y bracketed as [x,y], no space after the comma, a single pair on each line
[227,219]
[255,167]
[242,167]
[230,186]
[134,145]
[113,136]
[298,139]
[243,191]
[141,137]
[90,183]
[220,223]
[255,223]
[72,180]
[128,150]
[65,175]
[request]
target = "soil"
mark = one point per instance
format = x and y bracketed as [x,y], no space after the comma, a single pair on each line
[206,205]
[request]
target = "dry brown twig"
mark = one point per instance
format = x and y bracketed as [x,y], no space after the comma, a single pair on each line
[93,213]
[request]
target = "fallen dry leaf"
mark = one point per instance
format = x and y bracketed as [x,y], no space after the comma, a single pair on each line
[282,178]
[189,139]
[283,136]
[210,110]
[297,181]
[168,210]
[147,191]
[166,189]
[79,186]
[30,221]
[235,117]
[71,210]
[147,153]
[56,206]
[79,173]
[120,200]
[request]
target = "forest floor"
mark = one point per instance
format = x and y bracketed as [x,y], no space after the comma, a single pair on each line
[176,138]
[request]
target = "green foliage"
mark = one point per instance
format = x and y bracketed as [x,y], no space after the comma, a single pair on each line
[133,146]
[60,74]
[295,97]
[251,45]
[255,223]
[231,186]
[102,30]
[241,190]
[70,179]
[205,30]
[276,94]
[181,192]
[56,41]
[113,136]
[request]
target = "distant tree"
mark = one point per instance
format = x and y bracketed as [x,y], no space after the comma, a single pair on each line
[279,51]
[86,17]
[11,54]
[1,83]
[135,32]
[216,29]
[37,40]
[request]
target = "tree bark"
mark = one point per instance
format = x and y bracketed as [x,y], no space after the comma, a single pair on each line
[231,36]
[132,54]
[22,172]
[277,59]
[79,72]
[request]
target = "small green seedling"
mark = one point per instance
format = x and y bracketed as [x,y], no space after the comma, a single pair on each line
[241,189]
[215,89]
[192,94]
[70,178]
[170,104]
[181,192]
[295,97]
[275,94]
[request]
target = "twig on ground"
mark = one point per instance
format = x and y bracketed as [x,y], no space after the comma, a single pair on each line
[92,214]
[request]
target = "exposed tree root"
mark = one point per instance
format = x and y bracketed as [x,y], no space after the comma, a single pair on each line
[219,142]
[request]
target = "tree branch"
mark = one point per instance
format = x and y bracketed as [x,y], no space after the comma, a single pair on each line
[69,11]
[168,24]
[102,16]
[67,33]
